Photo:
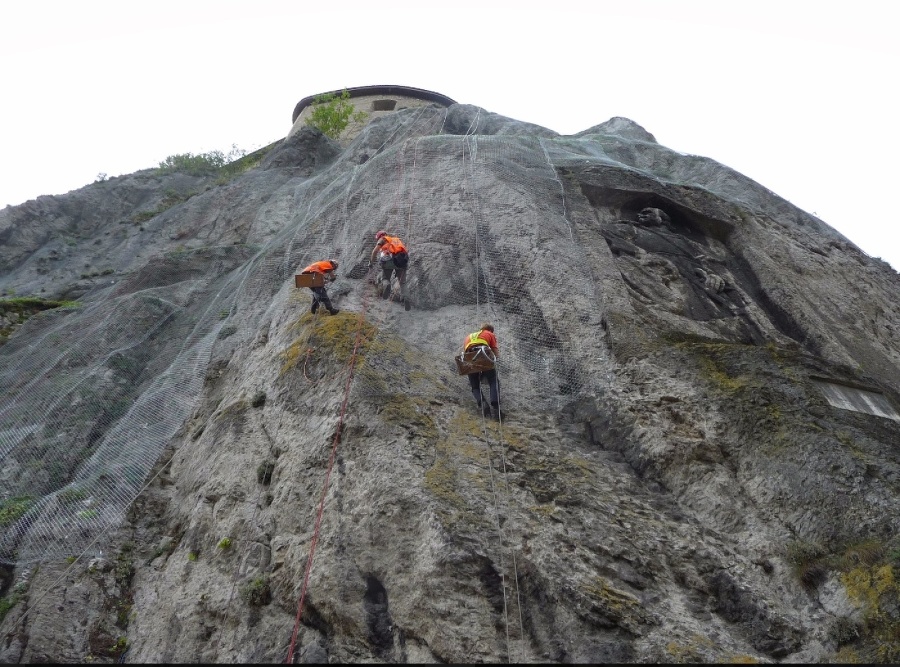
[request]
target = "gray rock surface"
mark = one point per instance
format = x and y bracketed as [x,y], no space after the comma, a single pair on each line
[667,483]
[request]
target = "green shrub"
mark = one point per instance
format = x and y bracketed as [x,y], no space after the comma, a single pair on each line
[225,166]
[72,495]
[810,561]
[32,303]
[866,553]
[224,544]
[844,630]
[800,552]
[196,165]
[13,508]
[124,571]
[332,113]
[119,647]
[257,593]
[7,603]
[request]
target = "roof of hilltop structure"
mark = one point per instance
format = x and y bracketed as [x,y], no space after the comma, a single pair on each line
[362,91]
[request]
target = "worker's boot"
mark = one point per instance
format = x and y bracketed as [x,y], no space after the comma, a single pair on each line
[327,303]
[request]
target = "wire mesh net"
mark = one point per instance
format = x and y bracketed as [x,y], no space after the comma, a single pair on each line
[92,395]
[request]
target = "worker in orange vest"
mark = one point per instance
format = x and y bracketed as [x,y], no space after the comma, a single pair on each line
[486,339]
[327,268]
[393,259]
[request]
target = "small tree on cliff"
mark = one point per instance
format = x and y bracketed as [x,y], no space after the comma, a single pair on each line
[332,113]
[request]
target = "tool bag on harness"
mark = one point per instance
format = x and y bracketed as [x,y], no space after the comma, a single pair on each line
[474,360]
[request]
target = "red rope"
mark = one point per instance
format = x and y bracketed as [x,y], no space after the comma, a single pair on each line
[337,439]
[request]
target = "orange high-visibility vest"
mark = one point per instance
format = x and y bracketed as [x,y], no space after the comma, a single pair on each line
[319,267]
[393,245]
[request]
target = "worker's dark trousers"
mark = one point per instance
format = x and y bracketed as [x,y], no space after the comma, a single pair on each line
[491,377]
[320,296]
[387,270]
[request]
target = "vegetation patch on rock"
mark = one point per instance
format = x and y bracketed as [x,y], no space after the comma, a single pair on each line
[15,311]
[868,572]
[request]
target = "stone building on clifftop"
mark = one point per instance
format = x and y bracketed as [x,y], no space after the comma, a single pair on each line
[374,101]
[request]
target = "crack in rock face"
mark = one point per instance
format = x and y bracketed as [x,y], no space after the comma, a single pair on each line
[695,457]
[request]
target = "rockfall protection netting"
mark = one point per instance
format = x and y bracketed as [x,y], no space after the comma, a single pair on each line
[485,220]
[92,395]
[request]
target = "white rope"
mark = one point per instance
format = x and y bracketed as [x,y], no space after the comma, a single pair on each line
[508,498]
[500,175]
[562,191]
[487,439]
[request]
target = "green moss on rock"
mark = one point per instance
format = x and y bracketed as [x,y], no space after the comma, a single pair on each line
[411,412]
[334,336]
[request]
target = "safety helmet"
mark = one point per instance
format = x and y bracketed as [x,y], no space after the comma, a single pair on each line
[333,262]
[379,234]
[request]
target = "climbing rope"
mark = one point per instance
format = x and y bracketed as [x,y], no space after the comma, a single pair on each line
[319,514]
[400,184]
[476,211]
[352,364]
[502,448]
[489,450]
[562,189]
[483,252]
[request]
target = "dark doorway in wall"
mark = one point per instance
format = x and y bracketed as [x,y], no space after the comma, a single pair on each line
[384,105]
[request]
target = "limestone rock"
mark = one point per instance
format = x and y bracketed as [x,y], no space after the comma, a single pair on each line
[669,483]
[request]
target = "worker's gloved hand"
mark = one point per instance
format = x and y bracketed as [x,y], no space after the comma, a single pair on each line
[332,277]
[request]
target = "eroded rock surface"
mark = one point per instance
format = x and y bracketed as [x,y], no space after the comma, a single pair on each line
[668,483]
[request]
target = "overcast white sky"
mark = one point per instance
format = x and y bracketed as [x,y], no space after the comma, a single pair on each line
[799,95]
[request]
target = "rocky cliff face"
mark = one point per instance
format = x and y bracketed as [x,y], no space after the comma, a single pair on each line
[697,459]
